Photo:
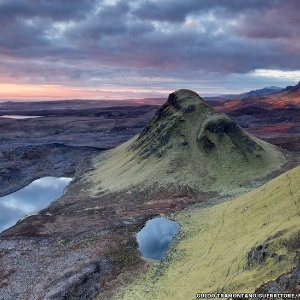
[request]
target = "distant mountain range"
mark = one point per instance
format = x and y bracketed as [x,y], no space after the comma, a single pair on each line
[188,140]
[288,97]
[260,92]
[269,90]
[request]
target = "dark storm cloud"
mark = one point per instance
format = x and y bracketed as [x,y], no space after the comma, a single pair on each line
[21,35]
[86,42]
[56,10]
[177,10]
[27,27]
[275,23]
[108,21]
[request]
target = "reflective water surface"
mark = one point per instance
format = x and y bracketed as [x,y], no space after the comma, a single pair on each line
[30,199]
[156,236]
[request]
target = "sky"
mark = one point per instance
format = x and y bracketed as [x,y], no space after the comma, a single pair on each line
[117,49]
[30,199]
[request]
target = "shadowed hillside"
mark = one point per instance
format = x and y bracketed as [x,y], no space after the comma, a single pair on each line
[235,246]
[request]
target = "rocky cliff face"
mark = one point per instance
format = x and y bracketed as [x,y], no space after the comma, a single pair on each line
[83,245]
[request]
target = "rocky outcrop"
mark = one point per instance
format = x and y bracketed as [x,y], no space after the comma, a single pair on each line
[287,282]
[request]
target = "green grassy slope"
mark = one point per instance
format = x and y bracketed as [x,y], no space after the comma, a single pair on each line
[233,246]
[187,144]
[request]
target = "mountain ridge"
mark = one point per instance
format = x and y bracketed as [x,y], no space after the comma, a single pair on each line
[286,98]
[187,142]
[261,92]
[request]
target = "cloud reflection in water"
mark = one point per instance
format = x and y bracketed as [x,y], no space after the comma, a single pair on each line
[30,199]
[156,236]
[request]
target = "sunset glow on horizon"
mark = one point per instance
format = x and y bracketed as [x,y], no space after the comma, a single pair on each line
[95,49]
[21,92]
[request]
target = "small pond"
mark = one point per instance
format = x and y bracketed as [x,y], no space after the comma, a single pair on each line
[156,236]
[30,199]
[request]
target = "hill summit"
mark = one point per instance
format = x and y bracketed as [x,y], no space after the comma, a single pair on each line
[187,145]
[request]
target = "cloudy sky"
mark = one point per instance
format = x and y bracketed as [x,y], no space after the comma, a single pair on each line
[52,49]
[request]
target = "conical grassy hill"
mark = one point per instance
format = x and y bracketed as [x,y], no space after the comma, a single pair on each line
[189,146]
